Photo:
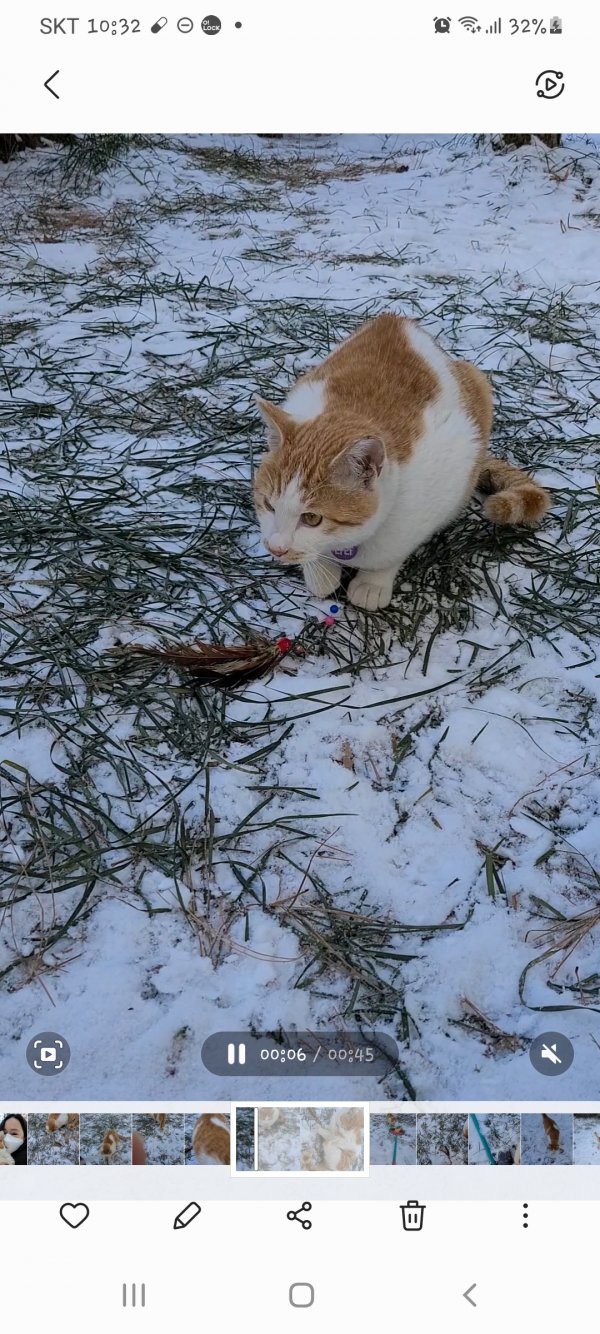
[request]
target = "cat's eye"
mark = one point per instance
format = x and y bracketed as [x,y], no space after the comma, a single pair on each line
[311,520]
[268,506]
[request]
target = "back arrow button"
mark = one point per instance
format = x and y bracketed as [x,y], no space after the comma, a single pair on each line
[467,1297]
[49,81]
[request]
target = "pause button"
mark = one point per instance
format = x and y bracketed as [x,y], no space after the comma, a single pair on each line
[236,1053]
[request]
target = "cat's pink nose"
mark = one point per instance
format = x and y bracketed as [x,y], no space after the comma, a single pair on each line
[277,551]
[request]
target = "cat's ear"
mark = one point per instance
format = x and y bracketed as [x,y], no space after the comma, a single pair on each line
[275,420]
[358,468]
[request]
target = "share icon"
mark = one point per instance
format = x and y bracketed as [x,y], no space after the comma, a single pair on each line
[295,1214]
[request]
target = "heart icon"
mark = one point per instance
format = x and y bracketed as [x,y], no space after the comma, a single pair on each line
[74,1214]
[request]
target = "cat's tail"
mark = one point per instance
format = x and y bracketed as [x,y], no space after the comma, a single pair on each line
[512,496]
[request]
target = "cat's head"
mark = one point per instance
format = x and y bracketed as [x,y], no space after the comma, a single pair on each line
[317,489]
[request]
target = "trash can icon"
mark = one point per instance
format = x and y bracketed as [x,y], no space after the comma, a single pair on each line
[412,1215]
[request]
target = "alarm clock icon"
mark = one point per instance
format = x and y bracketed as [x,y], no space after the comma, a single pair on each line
[441,25]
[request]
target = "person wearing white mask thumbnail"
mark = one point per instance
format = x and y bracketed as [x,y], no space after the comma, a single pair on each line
[14,1132]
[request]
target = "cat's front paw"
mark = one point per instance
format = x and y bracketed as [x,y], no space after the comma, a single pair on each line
[371,591]
[322,577]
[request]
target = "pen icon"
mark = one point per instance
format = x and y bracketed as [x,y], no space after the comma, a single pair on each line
[187,1215]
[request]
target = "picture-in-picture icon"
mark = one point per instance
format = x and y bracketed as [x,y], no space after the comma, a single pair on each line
[48,1053]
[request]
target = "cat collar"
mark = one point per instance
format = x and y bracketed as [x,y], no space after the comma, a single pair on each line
[345,553]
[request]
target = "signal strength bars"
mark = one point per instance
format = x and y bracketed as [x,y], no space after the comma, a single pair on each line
[472,25]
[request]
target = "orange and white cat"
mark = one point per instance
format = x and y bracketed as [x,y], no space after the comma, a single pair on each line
[374,451]
[210,1140]
[161,1118]
[341,1143]
[552,1133]
[60,1120]
[110,1144]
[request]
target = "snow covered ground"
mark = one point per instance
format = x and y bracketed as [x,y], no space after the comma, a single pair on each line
[51,1148]
[309,1139]
[586,1140]
[399,828]
[244,1139]
[93,1127]
[166,1146]
[502,1133]
[443,1140]
[393,1140]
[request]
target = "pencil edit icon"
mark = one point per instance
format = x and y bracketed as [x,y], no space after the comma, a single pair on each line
[187,1215]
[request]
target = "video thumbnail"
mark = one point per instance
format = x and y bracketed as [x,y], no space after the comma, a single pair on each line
[299,534]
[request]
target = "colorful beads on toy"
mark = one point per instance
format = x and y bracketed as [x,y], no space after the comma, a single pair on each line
[284,644]
[334,608]
[330,620]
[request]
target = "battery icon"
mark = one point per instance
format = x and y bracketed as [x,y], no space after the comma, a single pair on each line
[556,26]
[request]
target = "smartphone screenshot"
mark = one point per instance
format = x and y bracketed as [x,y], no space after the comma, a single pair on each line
[300,671]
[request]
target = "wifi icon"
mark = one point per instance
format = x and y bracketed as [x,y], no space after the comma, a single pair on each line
[470,23]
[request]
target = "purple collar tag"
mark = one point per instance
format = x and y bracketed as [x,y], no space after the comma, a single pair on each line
[345,553]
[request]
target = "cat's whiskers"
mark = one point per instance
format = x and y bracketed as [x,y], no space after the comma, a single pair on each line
[321,574]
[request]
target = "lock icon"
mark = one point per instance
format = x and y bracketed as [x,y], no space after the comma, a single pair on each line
[441,25]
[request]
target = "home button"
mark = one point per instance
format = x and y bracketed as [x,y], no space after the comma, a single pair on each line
[301,1294]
